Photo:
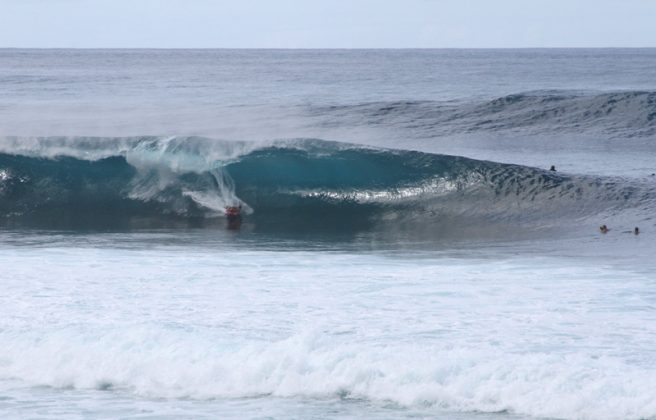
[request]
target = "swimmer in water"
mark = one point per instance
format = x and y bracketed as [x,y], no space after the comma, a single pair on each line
[603,229]
[636,231]
[553,168]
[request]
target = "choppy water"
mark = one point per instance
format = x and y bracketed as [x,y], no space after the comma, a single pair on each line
[404,250]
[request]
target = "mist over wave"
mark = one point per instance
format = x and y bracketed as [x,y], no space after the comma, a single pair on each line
[614,114]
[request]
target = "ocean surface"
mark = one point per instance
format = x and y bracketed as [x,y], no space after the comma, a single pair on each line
[404,249]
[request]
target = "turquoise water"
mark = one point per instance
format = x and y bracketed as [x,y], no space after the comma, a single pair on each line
[381,269]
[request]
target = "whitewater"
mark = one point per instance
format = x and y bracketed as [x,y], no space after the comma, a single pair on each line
[404,250]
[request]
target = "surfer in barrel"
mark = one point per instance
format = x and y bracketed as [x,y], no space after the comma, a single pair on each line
[233,214]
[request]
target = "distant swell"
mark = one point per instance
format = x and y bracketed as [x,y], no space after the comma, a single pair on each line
[625,114]
[285,184]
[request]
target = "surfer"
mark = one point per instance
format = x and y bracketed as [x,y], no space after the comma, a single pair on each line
[233,214]
[603,229]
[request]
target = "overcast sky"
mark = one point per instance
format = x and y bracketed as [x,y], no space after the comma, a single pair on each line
[327,23]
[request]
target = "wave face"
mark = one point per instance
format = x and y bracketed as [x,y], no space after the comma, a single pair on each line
[59,181]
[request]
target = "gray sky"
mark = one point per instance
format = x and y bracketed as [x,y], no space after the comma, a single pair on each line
[327,23]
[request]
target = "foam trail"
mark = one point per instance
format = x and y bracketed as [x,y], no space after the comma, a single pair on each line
[225,322]
[314,365]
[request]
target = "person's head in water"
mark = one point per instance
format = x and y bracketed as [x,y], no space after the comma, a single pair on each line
[553,168]
[603,228]
[636,231]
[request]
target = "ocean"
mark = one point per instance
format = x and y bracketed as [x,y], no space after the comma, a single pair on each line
[404,250]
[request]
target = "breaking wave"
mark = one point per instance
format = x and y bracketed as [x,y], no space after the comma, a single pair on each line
[54,181]
[312,365]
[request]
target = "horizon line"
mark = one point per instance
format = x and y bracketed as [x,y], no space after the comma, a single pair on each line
[333,48]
